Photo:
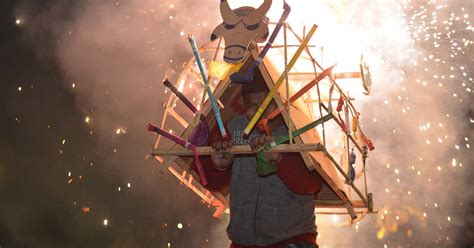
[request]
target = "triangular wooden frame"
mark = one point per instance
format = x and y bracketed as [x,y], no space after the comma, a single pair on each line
[332,195]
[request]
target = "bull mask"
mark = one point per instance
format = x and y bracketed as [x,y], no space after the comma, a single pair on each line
[240,27]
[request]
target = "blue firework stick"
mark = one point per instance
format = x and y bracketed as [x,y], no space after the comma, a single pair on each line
[212,98]
[248,77]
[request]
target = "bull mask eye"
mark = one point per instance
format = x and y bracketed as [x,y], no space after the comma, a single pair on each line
[252,27]
[228,26]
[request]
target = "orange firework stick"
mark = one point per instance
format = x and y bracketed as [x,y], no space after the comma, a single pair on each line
[263,123]
[278,83]
[370,144]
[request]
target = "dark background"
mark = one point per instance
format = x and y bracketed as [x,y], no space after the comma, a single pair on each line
[38,207]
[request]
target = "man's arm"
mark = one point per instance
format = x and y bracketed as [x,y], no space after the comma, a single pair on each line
[216,178]
[293,172]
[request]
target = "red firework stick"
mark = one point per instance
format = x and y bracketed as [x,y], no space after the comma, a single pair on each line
[181,97]
[311,84]
[263,123]
[185,144]
[340,103]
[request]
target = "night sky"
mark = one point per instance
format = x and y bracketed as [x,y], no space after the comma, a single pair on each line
[81,79]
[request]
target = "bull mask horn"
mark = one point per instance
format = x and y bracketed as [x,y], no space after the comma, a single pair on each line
[227,14]
[259,13]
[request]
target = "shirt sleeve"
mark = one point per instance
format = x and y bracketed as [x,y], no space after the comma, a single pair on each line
[216,179]
[293,172]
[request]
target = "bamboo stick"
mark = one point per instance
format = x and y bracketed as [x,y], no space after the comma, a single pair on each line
[277,85]
[178,117]
[287,87]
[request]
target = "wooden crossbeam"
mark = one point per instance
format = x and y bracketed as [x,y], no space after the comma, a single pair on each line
[338,204]
[322,100]
[238,149]
[339,75]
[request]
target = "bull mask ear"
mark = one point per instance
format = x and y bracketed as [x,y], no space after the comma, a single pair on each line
[218,32]
[259,13]
[227,14]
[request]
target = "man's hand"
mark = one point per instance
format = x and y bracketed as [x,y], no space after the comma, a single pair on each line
[260,141]
[221,158]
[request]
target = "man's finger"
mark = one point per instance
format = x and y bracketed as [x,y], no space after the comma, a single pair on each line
[214,146]
[254,144]
[229,145]
[218,146]
[225,146]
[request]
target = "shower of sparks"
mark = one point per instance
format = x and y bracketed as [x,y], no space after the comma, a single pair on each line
[421,57]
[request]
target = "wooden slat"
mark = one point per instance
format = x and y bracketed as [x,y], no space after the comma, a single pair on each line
[238,149]
[338,204]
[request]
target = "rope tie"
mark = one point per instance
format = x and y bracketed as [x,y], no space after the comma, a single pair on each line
[351,172]
[355,122]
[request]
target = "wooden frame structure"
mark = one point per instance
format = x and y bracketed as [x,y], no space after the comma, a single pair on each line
[335,195]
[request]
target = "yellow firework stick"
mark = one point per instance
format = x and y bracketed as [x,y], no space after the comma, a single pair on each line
[278,83]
